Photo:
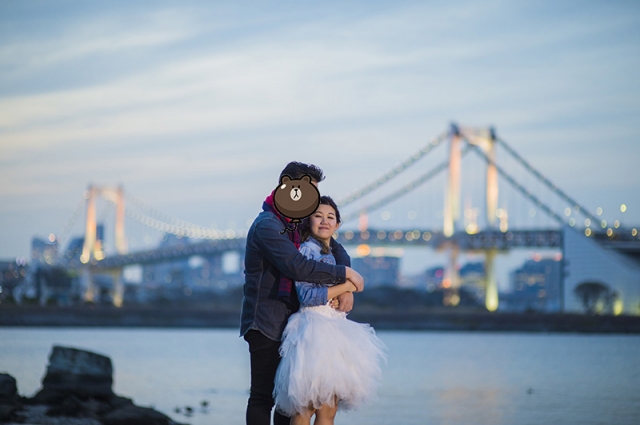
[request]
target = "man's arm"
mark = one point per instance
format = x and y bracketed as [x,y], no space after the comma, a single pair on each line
[345,300]
[282,253]
[339,253]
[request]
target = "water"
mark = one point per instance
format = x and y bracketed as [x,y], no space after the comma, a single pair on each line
[431,378]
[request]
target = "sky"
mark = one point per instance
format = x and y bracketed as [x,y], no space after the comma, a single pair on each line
[195,107]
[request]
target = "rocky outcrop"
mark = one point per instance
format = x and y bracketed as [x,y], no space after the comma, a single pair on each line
[10,401]
[74,372]
[78,386]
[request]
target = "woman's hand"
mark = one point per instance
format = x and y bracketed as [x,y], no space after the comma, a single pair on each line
[345,302]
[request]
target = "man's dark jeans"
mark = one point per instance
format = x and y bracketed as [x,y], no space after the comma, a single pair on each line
[264,363]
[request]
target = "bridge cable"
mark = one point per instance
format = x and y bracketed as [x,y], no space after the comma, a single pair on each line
[546,181]
[518,186]
[405,189]
[72,221]
[357,194]
[195,232]
[166,219]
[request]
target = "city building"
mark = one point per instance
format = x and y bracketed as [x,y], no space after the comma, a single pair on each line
[12,276]
[535,286]
[597,279]
[378,269]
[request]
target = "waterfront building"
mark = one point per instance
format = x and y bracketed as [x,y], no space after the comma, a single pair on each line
[12,276]
[598,279]
[378,270]
[44,251]
[433,278]
[535,286]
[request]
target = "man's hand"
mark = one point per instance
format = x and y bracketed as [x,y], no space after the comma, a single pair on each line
[356,279]
[345,301]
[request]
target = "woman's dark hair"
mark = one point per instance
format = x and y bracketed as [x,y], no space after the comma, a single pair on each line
[305,226]
[296,170]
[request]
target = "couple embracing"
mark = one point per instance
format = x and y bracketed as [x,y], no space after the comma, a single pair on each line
[307,358]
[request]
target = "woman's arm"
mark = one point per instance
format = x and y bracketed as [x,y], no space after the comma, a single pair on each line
[335,290]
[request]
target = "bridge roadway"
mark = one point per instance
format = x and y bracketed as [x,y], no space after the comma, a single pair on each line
[484,240]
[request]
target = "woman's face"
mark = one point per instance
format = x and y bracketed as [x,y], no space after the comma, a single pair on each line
[323,222]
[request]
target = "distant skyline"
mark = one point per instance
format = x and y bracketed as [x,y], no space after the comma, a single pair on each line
[195,107]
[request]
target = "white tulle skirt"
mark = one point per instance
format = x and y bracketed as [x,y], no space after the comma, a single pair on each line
[326,356]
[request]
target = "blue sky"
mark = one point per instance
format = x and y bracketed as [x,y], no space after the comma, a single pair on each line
[195,107]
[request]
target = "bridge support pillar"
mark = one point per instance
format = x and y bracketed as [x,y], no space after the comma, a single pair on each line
[117,291]
[452,194]
[89,285]
[452,278]
[491,284]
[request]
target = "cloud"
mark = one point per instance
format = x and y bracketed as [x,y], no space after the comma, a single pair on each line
[188,105]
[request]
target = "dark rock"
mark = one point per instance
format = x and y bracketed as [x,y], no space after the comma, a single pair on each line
[8,387]
[135,415]
[10,401]
[48,396]
[118,401]
[96,408]
[77,389]
[82,373]
[71,406]
[7,412]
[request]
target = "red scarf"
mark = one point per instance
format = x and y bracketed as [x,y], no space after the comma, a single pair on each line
[286,290]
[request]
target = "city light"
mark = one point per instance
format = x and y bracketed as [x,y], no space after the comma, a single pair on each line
[618,307]
[587,232]
[609,232]
[623,208]
[363,250]
[587,222]
[599,210]
[616,224]
[567,211]
[634,232]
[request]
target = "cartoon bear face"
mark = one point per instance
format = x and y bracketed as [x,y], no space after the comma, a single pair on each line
[296,199]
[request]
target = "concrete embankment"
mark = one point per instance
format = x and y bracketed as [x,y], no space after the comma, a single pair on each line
[424,319]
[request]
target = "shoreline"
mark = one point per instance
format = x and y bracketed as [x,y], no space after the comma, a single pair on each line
[387,319]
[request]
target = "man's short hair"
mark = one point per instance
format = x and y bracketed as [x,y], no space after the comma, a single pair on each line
[296,170]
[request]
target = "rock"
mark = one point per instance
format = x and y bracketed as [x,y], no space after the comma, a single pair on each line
[8,387]
[78,372]
[76,390]
[10,401]
[71,406]
[7,412]
[118,401]
[136,415]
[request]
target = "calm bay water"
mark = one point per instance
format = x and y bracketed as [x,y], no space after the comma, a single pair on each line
[431,378]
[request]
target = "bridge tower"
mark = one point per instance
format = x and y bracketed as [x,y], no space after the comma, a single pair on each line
[485,140]
[92,248]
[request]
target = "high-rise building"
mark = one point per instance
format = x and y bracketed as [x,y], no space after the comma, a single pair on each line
[536,286]
[377,271]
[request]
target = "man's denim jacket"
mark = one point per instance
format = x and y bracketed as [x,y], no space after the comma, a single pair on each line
[268,254]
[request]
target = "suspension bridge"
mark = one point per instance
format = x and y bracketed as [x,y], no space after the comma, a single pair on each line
[510,187]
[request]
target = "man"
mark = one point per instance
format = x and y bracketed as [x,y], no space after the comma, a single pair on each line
[272,264]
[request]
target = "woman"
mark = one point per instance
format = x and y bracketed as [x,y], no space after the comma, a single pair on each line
[328,362]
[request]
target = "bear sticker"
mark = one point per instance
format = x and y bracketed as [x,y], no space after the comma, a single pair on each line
[296,199]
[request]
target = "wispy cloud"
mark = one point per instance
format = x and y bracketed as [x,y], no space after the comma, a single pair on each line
[186,97]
